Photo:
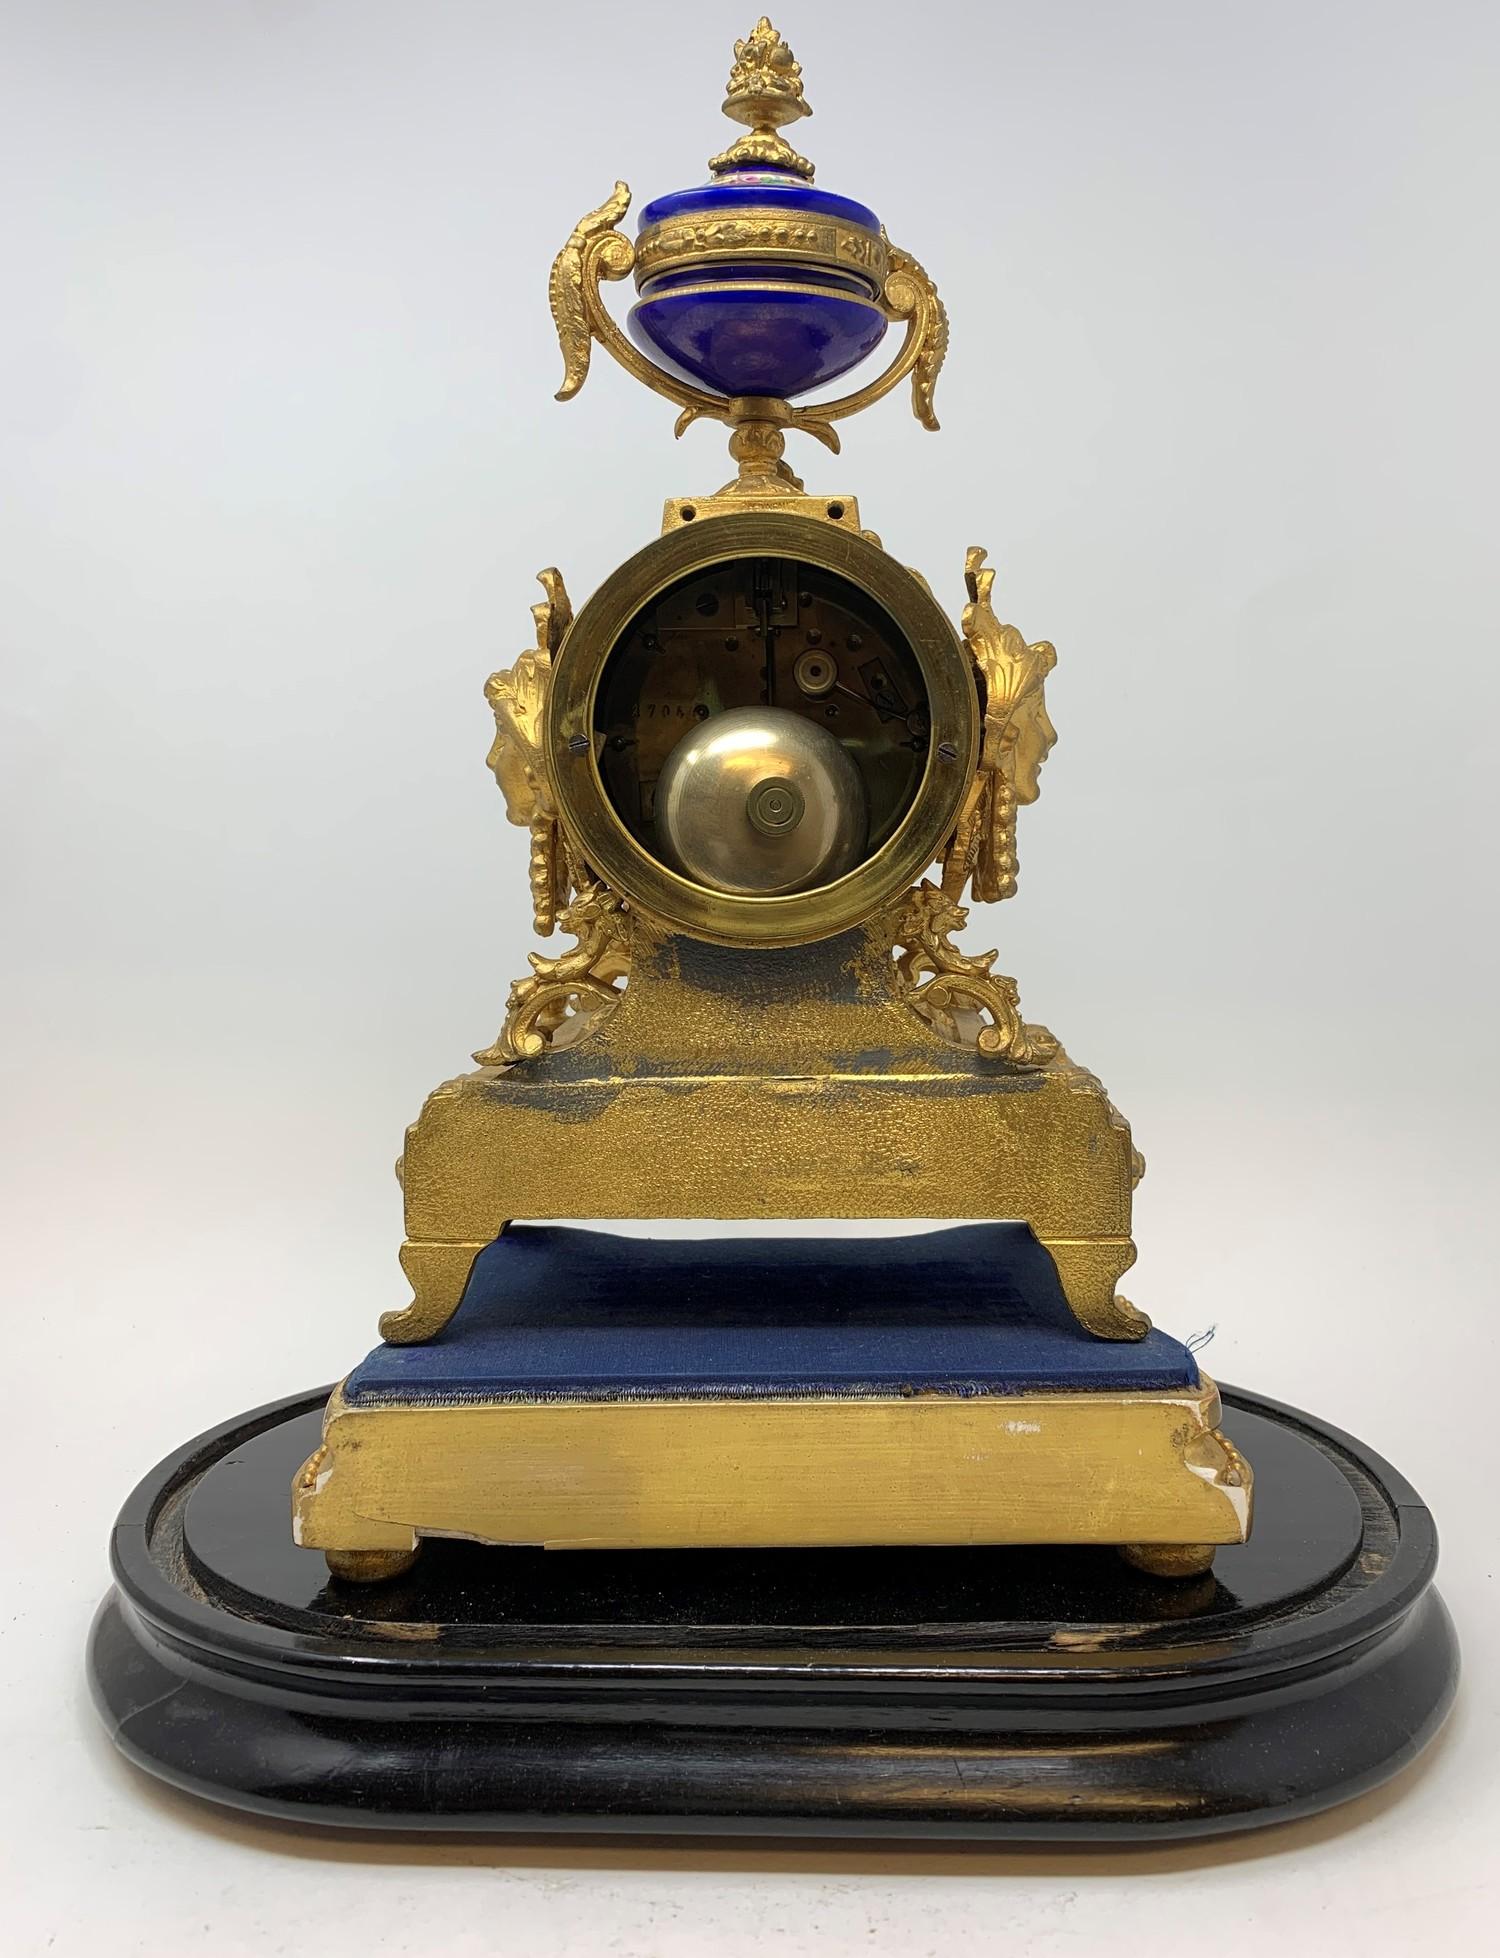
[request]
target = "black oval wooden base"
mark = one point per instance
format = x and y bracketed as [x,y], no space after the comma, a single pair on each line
[1047,1694]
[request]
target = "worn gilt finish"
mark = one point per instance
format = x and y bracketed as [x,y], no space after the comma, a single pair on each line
[600,1475]
[832,1052]
[765,92]
[772,1084]
[917,989]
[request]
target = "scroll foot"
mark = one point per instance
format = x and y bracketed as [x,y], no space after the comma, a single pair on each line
[438,1274]
[1089,1269]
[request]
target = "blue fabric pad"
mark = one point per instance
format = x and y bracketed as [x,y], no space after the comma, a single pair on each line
[553,1313]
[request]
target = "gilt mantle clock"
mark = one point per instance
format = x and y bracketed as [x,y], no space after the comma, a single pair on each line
[629,1520]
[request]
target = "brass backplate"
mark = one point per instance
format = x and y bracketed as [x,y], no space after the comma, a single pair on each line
[571,742]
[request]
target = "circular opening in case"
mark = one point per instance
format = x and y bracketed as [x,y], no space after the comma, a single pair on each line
[760,728]
[749,672]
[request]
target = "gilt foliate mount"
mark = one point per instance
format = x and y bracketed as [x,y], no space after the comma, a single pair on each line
[959,994]
[753,289]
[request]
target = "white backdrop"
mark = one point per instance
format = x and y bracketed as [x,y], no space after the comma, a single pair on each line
[280,460]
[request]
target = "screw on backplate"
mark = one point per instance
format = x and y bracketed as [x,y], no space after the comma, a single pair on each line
[947,751]
[775,806]
[578,744]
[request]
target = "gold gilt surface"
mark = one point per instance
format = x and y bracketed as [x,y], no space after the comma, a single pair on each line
[597,253]
[653,1070]
[849,1059]
[693,243]
[831,1054]
[1110,1468]
[799,1083]
[737,497]
[648,885]
[764,92]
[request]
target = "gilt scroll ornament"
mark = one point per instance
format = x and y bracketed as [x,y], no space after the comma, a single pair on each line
[564,994]
[960,993]
[764,93]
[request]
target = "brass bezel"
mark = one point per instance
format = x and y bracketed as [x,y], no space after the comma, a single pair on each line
[615,855]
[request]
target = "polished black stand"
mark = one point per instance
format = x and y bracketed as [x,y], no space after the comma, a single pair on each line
[991,1693]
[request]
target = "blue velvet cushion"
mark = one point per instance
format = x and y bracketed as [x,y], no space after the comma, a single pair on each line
[556,1313]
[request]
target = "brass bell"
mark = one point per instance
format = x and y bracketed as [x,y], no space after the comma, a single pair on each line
[758,802]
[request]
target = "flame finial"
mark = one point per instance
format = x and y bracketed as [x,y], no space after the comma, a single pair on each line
[764,91]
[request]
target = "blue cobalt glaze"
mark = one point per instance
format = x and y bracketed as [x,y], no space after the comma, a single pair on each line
[756,335]
[758,190]
[743,326]
[555,1313]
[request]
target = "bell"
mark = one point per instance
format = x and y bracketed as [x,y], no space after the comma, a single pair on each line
[758,802]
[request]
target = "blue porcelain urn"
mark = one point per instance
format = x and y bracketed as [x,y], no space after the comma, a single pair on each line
[757,283]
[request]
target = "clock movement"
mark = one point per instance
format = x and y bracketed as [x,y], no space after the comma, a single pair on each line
[768,1530]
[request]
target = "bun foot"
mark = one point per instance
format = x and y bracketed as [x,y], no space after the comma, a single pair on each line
[370,1566]
[1170,1559]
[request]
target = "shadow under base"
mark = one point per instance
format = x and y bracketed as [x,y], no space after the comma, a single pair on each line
[1002,1693]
